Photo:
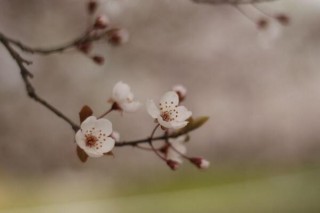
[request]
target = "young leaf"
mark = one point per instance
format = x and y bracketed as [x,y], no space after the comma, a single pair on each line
[85,112]
[194,123]
[83,157]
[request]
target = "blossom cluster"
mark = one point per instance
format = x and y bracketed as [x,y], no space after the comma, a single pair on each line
[96,136]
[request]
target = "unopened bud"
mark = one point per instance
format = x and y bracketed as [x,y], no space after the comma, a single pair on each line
[181,91]
[98,59]
[102,22]
[115,135]
[92,6]
[262,24]
[200,162]
[85,47]
[283,19]
[174,165]
[118,36]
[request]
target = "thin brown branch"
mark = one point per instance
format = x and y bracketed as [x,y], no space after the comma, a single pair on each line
[25,74]
[85,37]
[216,2]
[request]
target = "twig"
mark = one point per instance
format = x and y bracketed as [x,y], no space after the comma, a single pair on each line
[25,74]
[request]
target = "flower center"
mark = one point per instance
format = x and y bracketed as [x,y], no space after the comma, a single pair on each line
[91,140]
[165,116]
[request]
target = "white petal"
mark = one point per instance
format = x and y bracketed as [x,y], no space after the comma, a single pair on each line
[93,153]
[130,106]
[183,113]
[178,124]
[88,123]
[164,123]
[80,139]
[107,146]
[169,99]
[152,109]
[105,125]
[121,91]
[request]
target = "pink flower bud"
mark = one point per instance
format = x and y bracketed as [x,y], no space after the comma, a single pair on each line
[98,59]
[262,23]
[200,162]
[283,19]
[174,165]
[118,36]
[102,22]
[115,135]
[181,91]
[92,6]
[85,47]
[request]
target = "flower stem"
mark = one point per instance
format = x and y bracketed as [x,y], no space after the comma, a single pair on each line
[106,113]
[177,151]
[151,145]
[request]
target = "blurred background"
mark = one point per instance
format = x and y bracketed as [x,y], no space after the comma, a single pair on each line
[261,89]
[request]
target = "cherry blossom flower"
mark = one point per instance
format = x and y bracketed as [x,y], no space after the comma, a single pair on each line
[170,115]
[181,91]
[94,136]
[123,98]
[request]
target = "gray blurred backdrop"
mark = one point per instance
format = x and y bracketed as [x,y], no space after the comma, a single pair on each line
[261,90]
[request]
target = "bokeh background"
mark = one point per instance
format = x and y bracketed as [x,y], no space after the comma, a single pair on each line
[261,89]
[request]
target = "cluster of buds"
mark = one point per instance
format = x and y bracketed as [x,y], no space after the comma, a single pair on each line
[96,136]
[264,21]
[100,29]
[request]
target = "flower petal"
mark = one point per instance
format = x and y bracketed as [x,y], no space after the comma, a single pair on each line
[169,99]
[88,123]
[107,145]
[130,106]
[152,109]
[80,139]
[105,125]
[93,153]
[183,113]
[164,123]
[178,124]
[121,91]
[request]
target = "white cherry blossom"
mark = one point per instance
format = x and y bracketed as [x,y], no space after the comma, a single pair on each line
[169,114]
[94,136]
[123,98]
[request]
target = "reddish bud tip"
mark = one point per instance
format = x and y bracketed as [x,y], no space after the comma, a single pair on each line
[283,19]
[174,165]
[92,6]
[102,22]
[181,91]
[200,162]
[262,24]
[85,47]
[118,36]
[98,59]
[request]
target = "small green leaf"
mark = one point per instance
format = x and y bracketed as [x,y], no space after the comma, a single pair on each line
[83,157]
[194,123]
[85,112]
